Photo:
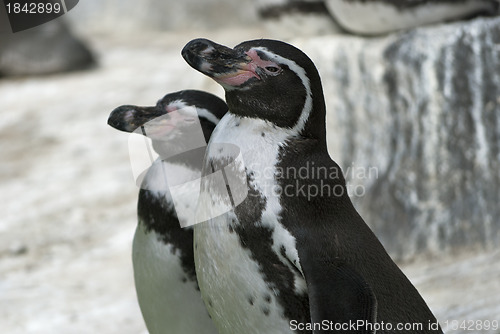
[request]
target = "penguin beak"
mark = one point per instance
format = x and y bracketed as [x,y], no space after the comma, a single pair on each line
[150,121]
[128,118]
[227,66]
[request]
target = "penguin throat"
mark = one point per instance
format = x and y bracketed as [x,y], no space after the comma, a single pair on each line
[236,79]
[278,116]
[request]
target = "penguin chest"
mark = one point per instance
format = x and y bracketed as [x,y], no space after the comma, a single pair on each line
[168,297]
[246,262]
[244,294]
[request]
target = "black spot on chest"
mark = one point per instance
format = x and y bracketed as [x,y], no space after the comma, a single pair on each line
[157,215]
[266,311]
[279,277]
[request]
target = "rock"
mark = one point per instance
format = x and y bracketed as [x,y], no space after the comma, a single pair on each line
[364,17]
[414,120]
[48,48]
[292,18]
[17,248]
[374,17]
[277,8]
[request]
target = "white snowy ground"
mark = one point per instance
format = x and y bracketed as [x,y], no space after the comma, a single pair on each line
[67,198]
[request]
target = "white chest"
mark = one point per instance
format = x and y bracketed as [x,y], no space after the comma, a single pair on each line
[234,289]
[178,184]
[169,301]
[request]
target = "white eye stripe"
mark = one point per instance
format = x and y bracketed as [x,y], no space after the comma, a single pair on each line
[301,73]
[177,104]
[202,112]
[207,115]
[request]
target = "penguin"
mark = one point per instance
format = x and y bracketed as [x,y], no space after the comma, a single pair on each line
[162,254]
[294,256]
[375,17]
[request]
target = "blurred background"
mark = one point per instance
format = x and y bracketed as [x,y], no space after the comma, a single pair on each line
[413,97]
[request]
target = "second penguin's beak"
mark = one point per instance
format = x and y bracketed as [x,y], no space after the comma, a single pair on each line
[229,67]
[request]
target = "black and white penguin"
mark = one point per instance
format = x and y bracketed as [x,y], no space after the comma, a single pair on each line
[374,17]
[294,256]
[164,272]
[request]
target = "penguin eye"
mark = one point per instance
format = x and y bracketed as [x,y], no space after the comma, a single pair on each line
[273,70]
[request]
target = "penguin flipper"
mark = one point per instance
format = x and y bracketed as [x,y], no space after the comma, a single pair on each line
[339,294]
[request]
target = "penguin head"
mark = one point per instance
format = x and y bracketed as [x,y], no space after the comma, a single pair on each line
[265,79]
[174,115]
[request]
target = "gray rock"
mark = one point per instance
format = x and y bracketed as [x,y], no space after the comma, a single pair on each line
[286,19]
[374,17]
[414,119]
[277,8]
[17,248]
[368,17]
[48,48]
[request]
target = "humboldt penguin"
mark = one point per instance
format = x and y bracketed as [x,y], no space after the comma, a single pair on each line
[164,272]
[294,256]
